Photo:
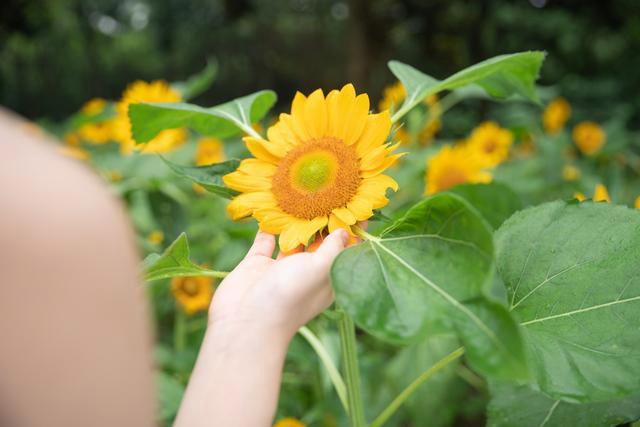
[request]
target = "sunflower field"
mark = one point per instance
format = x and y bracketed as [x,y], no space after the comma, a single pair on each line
[492,276]
[495,276]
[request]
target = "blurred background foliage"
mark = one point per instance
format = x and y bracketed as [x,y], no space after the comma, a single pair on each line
[56,54]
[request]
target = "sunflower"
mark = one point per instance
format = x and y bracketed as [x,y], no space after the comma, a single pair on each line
[452,166]
[193,293]
[637,203]
[155,237]
[600,194]
[589,137]
[209,151]
[138,92]
[289,422]
[556,115]
[392,97]
[320,167]
[570,173]
[491,142]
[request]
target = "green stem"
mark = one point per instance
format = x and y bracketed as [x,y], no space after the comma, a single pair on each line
[325,358]
[179,331]
[404,395]
[350,366]
[251,131]
[213,273]
[363,234]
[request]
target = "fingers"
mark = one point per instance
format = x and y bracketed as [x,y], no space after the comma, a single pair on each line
[295,250]
[263,245]
[331,246]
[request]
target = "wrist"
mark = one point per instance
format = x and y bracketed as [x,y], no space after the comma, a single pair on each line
[247,335]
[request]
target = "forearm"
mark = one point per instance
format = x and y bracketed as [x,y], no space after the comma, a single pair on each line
[236,380]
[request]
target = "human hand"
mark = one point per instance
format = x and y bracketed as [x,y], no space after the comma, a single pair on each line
[281,294]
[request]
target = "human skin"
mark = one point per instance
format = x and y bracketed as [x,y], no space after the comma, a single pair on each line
[76,340]
[254,315]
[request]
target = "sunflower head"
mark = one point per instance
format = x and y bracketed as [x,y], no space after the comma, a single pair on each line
[637,203]
[289,422]
[601,194]
[556,115]
[570,173]
[193,293]
[209,151]
[452,166]
[138,92]
[320,168]
[392,97]
[491,142]
[589,137]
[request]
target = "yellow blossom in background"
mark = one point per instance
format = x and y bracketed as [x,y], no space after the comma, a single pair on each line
[73,152]
[556,114]
[589,137]
[137,92]
[452,166]
[156,237]
[72,139]
[289,422]
[433,123]
[99,132]
[193,293]
[392,97]
[637,203]
[401,135]
[570,173]
[321,167]
[601,194]
[113,176]
[491,142]
[209,151]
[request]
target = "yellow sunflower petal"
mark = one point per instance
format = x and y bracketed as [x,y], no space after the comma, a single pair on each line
[295,125]
[282,135]
[240,181]
[309,228]
[258,148]
[244,204]
[361,208]
[374,134]
[357,119]
[273,220]
[298,232]
[315,115]
[257,167]
[335,223]
[388,162]
[345,215]
[340,106]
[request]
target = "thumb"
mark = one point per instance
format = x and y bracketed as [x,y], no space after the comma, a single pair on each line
[332,245]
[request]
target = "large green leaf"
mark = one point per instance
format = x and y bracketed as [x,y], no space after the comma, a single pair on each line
[572,273]
[209,177]
[495,201]
[521,406]
[501,77]
[431,266]
[173,262]
[222,121]
[197,83]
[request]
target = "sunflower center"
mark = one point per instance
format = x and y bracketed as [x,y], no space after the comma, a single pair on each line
[316,177]
[314,171]
[490,146]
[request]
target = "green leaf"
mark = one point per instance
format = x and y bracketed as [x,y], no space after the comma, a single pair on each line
[173,262]
[222,121]
[572,273]
[198,83]
[209,177]
[431,266]
[495,201]
[170,392]
[501,77]
[521,406]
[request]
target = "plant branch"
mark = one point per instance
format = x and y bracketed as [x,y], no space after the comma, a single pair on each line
[325,358]
[350,366]
[404,395]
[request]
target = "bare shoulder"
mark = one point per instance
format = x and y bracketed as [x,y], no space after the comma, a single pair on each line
[70,280]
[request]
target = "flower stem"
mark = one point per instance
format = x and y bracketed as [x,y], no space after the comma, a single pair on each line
[363,234]
[217,274]
[325,358]
[179,331]
[350,366]
[404,395]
